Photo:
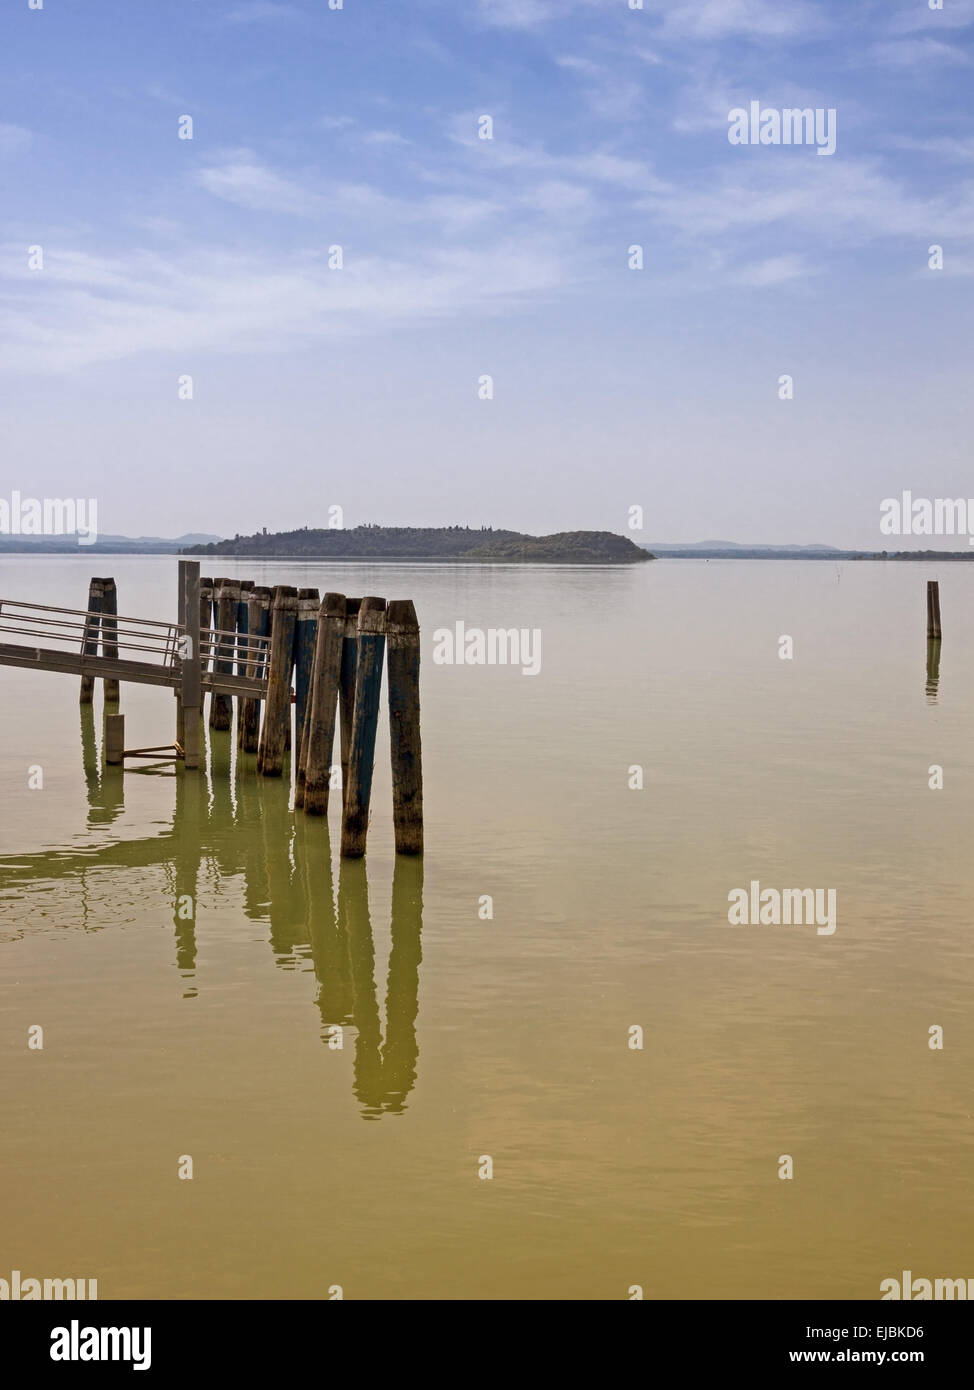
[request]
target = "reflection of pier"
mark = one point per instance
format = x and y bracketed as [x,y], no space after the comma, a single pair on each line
[244,830]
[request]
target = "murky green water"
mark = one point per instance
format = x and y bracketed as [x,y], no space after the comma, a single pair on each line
[315,1166]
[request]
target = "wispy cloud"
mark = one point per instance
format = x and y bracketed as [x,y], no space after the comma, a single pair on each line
[911,54]
[85,309]
[242,179]
[765,19]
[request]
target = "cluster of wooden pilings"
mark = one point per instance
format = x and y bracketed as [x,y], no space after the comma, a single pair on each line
[271,650]
[332,649]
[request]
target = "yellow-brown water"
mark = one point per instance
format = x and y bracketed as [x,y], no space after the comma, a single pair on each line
[314,1167]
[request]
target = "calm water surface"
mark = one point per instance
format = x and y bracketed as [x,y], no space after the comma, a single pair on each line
[509,1037]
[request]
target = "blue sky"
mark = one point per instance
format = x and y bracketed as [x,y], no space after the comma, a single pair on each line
[462,257]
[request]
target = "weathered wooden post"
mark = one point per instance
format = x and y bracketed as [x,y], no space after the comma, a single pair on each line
[933,608]
[402,636]
[114,739]
[365,718]
[206,622]
[96,593]
[227,600]
[314,768]
[109,636]
[305,638]
[347,684]
[243,630]
[258,625]
[190,665]
[284,615]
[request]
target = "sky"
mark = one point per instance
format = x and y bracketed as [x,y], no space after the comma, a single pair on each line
[464,258]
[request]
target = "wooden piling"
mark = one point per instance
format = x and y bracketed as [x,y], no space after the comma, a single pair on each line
[305,639]
[206,622]
[365,718]
[109,639]
[347,683]
[402,638]
[314,768]
[258,625]
[243,630]
[227,601]
[191,667]
[96,593]
[933,609]
[114,739]
[284,615]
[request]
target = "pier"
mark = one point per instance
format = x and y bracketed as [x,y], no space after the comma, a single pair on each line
[238,642]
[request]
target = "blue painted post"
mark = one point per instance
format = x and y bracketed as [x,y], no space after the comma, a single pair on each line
[314,770]
[402,635]
[365,717]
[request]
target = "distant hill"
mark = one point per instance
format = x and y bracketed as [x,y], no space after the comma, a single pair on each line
[111,545]
[483,545]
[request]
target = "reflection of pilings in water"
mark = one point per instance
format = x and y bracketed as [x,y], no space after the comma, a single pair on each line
[89,755]
[933,668]
[191,807]
[286,921]
[384,1075]
[250,841]
[329,948]
[355,922]
[401,1053]
[104,787]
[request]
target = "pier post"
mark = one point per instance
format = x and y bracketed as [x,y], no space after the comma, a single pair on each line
[109,636]
[933,609]
[314,770]
[114,739]
[284,614]
[347,684]
[258,625]
[305,637]
[243,630]
[191,665]
[365,717]
[96,592]
[402,638]
[227,599]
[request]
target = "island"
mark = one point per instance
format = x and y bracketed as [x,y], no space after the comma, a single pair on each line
[482,545]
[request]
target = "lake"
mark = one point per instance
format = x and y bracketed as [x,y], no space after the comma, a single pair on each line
[209,1031]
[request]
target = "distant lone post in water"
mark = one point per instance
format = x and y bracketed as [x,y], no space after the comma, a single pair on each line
[109,637]
[365,718]
[284,615]
[402,637]
[347,684]
[314,771]
[933,609]
[96,594]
